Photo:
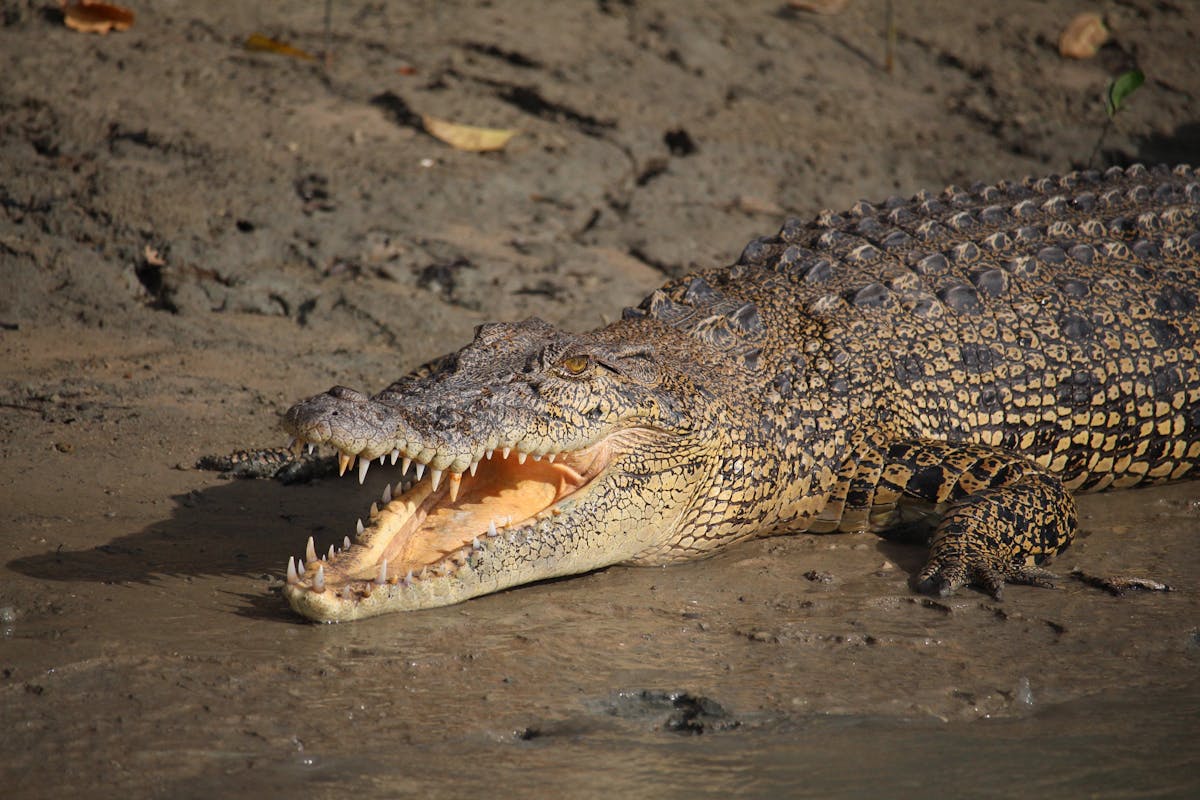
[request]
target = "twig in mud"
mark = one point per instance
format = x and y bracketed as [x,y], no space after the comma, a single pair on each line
[1117,585]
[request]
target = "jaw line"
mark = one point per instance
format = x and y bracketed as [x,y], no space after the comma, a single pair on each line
[433,545]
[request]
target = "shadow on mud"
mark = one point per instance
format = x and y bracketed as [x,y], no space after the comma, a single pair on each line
[238,527]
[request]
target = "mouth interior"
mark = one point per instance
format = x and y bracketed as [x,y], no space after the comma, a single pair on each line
[424,527]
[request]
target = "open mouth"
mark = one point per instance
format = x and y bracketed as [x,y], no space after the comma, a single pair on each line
[433,522]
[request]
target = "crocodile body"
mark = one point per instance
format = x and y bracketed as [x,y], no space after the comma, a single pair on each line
[973,357]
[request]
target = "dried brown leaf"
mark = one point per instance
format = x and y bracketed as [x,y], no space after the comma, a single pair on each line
[1083,36]
[152,257]
[266,44]
[88,17]
[467,137]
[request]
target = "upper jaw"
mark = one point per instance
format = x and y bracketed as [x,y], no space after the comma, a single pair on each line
[445,439]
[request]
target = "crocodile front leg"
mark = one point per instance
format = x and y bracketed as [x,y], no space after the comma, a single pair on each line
[1001,513]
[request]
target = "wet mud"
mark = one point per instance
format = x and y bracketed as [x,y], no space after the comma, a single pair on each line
[193,236]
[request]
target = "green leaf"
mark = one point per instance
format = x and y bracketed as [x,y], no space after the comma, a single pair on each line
[1121,87]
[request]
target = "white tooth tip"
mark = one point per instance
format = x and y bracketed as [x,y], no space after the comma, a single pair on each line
[381,578]
[395,456]
[420,470]
[475,545]
[359,528]
[381,458]
[492,529]
[405,464]
[387,494]
[537,457]
[310,550]
[374,510]
[292,575]
[345,542]
[435,477]
[521,457]
[551,456]
[319,579]
[474,466]
[311,447]
[504,453]
[363,465]
[489,454]
[408,579]
[331,553]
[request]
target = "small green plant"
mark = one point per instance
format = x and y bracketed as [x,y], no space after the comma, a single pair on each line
[1121,87]
[1119,90]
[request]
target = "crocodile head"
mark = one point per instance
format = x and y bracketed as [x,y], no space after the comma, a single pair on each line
[531,453]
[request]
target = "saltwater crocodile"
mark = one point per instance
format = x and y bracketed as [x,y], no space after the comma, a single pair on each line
[973,356]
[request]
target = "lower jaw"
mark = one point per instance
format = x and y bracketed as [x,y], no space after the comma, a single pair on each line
[336,606]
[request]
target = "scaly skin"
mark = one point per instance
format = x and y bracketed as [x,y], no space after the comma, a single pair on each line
[976,356]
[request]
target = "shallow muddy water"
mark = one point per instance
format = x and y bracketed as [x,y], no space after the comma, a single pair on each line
[734,676]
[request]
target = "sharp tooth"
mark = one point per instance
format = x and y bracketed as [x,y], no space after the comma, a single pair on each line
[311,447]
[343,463]
[374,512]
[319,579]
[520,458]
[381,578]
[345,542]
[489,454]
[405,464]
[492,529]
[537,457]
[387,494]
[475,545]
[359,528]
[474,466]
[435,477]
[420,470]
[381,458]
[395,456]
[293,577]
[332,553]
[505,452]
[551,456]
[301,566]
[363,465]
[455,485]
[310,550]
[408,579]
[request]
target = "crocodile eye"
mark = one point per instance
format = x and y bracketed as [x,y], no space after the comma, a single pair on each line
[575,365]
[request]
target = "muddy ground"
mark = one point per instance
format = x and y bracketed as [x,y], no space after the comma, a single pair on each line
[193,236]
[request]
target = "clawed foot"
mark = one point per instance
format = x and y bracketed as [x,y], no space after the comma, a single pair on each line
[945,575]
